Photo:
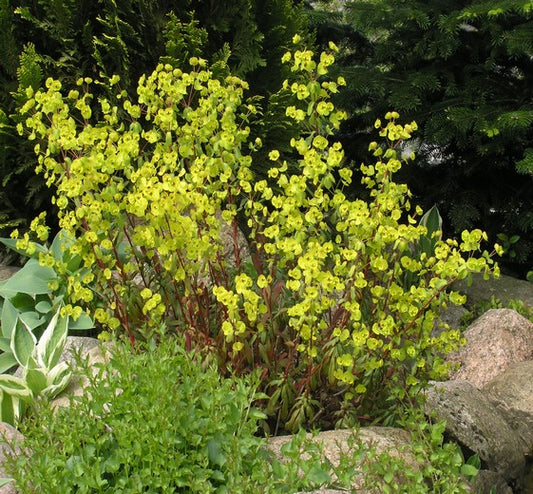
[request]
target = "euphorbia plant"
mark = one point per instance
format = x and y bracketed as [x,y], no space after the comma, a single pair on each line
[322,305]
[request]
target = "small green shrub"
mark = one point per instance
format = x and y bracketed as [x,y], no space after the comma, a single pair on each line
[331,306]
[159,420]
[165,421]
[427,464]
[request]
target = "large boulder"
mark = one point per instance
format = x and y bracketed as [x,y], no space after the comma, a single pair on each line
[499,338]
[472,420]
[512,393]
[451,316]
[487,482]
[77,345]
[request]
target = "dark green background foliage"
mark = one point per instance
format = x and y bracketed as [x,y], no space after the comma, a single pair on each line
[71,39]
[464,71]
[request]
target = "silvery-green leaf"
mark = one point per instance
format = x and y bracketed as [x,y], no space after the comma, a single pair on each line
[9,318]
[7,361]
[12,244]
[43,307]
[32,279]
[22,343]
[52,341]
[82,323]
[31,319]
[4,344]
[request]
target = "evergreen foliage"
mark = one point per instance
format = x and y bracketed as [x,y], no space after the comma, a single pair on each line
[463,71]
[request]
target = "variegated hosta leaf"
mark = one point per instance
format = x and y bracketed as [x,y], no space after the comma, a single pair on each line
[22,343]
[11,408]
[57,380]
[51,344]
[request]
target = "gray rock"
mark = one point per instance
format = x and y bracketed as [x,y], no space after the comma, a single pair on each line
[505,289]
[488,482]
[512,393]
[8,434]
[474,421]
[451,316]
[236,248]
[499,338]
[7,271]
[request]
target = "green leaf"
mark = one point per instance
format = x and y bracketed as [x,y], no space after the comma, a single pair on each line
[4,344]
[7,361]
[13,385]
[9,318]
[52,341]
[12,244]
[82,323]
[23,302]
[43,307]
[9,408]
[5,482]
[468,470]
[57,380]
[318,475]
[31,319]
[22,343]
[35,380]
[432,221]
[215,453]
[475,461]
[257,414]
[59,245]
[32,279]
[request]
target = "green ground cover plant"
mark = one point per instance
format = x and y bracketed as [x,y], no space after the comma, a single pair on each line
[164,420]
[336,303]
[159,420]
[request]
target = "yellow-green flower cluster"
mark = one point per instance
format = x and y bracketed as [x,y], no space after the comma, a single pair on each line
[141,198]
[243,306]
